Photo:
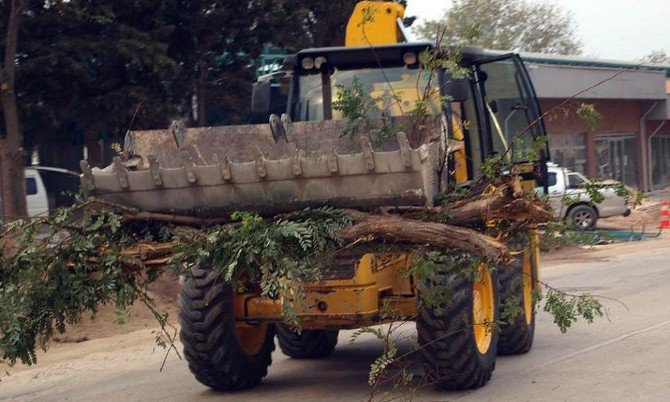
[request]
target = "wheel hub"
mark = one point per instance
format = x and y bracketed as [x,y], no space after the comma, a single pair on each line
[251,337]
[583,219]
[483,309]
[527,286]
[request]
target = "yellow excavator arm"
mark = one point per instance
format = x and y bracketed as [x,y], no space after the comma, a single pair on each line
[375,23]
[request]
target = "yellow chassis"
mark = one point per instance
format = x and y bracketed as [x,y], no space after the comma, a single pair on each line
[379,291]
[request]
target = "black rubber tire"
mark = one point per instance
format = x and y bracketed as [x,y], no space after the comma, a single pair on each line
[585,209]
[445,336]
[309,344]
[207,332]
[516,336]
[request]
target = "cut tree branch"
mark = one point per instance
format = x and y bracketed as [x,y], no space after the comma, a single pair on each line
[398,230]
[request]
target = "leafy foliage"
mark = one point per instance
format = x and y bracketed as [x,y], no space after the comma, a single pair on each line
[566,308]
[84,67]
[588,113]
[308,23]
[564,233]
[281,255]
[48,282]
[360,114]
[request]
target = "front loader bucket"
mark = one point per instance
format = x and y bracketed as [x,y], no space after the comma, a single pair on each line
[215,171]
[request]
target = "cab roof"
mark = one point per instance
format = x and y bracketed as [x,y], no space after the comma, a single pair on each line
[367,56]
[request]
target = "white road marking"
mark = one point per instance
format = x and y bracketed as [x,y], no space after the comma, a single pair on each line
[603,344]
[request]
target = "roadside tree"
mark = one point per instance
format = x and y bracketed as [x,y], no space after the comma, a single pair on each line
[659,56]
[517,25]
[12,185]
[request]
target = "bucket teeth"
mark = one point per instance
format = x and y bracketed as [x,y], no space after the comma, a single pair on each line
[332,160]
[276,127]
[294,180]
[261,170]
[405,154]
[294,153]
[224,163]
[286,124]
[368,154]
[189,166]
[87,175]
[155,170]
[121,174]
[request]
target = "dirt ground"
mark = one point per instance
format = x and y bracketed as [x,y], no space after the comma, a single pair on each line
[647,217]
[109,321]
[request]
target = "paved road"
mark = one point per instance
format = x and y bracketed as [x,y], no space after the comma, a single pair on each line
[626,358]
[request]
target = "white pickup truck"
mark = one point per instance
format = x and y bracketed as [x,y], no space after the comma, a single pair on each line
[566,185]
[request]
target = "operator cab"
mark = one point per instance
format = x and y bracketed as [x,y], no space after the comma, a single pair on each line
[493,111]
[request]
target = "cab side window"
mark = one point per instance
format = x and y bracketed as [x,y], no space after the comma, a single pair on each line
[575,182]
[31,186]
[552,179]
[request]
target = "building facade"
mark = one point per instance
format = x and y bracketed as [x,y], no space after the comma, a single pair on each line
[628,136]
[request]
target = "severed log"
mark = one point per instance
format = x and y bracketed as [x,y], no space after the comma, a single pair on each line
[370,229]
[437,227]
[399,230]
[505,201]
[143,216]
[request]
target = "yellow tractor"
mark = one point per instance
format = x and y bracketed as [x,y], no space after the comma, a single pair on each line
[299,160]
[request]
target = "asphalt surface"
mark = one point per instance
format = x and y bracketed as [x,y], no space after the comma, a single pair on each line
[624,358]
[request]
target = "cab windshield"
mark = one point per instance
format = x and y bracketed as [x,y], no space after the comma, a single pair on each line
[394,90]
[510,110]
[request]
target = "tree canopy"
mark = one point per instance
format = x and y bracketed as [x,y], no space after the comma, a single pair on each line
[309,23]
[87,69]
[517,25]
[84,67]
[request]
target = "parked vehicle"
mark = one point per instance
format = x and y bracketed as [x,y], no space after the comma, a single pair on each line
[36,194]
[570,200]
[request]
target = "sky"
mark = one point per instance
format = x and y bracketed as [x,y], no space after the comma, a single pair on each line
[608,29]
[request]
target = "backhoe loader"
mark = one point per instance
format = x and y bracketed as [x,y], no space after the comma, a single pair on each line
[300,160]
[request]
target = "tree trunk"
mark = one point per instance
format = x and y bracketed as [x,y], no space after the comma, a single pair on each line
[12,181]
[201,93]
[398,230]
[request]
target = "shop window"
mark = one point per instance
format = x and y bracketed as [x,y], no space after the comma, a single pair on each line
[660,160]
[569,150]
[616,159]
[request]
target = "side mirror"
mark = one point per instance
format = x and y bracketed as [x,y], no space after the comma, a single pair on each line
[457,89]
[542,172]
[261,95]
[494,106]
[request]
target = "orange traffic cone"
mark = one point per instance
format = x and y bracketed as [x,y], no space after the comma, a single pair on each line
[665,216]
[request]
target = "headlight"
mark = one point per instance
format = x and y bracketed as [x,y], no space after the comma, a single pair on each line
[409,58]
[320,61]
[307,63]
